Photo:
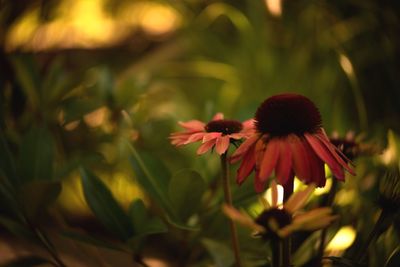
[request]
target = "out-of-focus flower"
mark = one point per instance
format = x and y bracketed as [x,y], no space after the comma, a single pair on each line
[389,190]
[289,139]
[218,133]
[281,221]
[351,147]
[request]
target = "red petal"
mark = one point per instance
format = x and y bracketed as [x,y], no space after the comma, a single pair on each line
[316,166]
[269,159]
[243,148]
[222,144]
[331,148]
[301,161]
[194,138]
[218,116]
[247,165]
[284,166]
[325,155]
[193,125]
[205,147]
[259,185]
[209,136]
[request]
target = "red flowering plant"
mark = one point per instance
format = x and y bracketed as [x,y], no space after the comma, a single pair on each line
[289,139]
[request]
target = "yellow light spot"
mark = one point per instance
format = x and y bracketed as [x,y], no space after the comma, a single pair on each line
[268,195]
[22,30]
[343,239]
[96,117]
[72,125]
[323,190]
[159,19]
[346,65]
[345,197]
[274,7]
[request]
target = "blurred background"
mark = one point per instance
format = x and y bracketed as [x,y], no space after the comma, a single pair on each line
[79,79]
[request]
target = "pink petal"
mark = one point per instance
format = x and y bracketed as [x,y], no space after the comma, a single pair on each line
[193,125]
[284,166]
[243,148]
[332,148]
[237,136]
[247,165]
[209,136]
[269,160]
[222,144]
[194,138]
[300,159]
[205,147]
[316,166]
[218,116]
[325,155]
[259,185]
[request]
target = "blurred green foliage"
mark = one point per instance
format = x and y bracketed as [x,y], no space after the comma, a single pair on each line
[109,109]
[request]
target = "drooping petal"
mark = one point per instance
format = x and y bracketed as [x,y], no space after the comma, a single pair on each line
[284,166]
[247,165]
[218,116]
[205,147]
[194,138]
[193,125]
[300,158]
[222,144]
[316,166]
[237,136]
[325,155]
[241,218]
[269,160]
[209,136]
[299,199]
[259,184]
[314,219]
[243,148]
[331,149]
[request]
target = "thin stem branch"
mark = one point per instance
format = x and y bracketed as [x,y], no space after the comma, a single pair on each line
[371,237]
[228,200]
[286,243]
[328,202]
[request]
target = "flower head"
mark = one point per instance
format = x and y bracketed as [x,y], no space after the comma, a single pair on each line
[217,133]
[289,139]
[281,221]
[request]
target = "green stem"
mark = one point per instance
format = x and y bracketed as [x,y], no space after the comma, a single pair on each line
[228,200]
[286,243]
[276,252]
[49,247]
[371,237]
[329,202]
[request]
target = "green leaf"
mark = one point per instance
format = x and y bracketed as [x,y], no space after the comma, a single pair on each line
[94,241]
[306,251]
[16,228]
[28,77]
[155,184]
[36,155]
[221,254]
[394,258]
[105,207]
[36,196]
[143,223]
[7,164]
[185,190]
[27,261]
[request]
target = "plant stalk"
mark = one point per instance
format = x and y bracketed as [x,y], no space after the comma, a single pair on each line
[372,236]
[228,200]
[328,202]
[286,243]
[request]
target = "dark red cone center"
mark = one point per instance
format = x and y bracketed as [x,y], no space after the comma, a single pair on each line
[285,114]
[224,126]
